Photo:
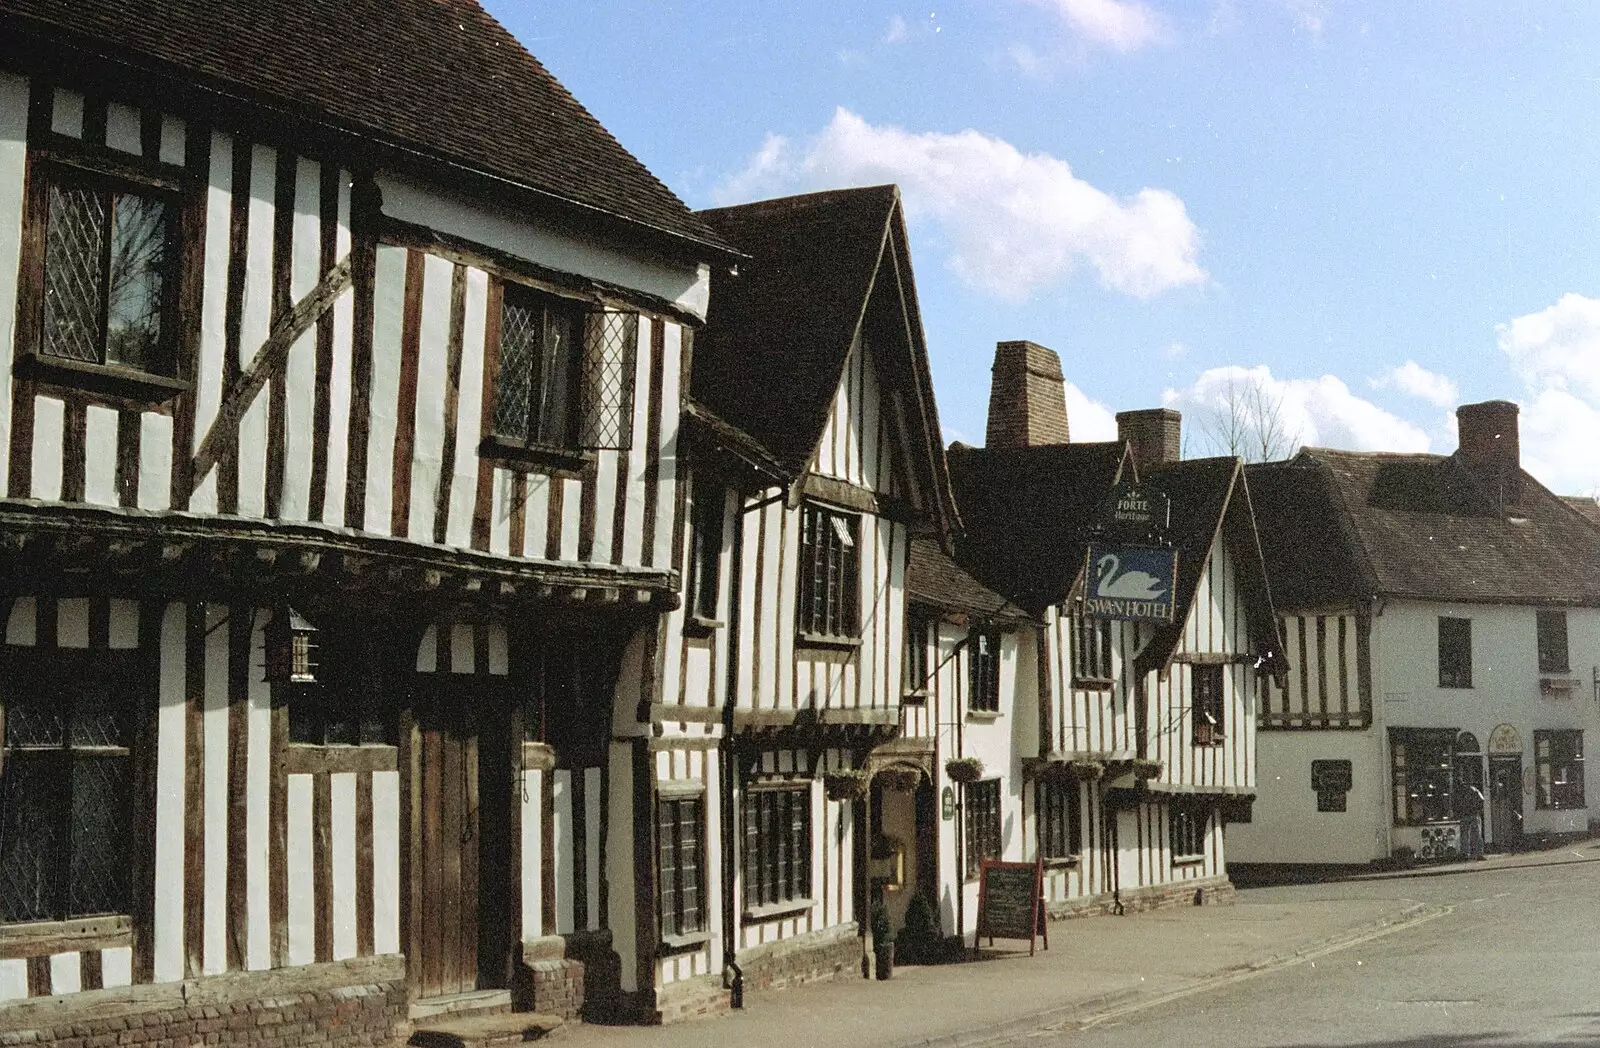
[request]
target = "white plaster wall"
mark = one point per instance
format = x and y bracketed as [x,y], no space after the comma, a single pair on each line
[1285,825]
[517,234]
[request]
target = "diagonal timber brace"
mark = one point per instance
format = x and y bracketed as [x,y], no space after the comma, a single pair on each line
[271,358]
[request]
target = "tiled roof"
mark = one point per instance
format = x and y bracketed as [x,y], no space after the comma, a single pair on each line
[1304,538]
[439,77]
[1025,514]
[779,331]
[933,578]
[1424,526]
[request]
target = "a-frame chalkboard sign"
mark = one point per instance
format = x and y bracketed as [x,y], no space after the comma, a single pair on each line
[1011,903]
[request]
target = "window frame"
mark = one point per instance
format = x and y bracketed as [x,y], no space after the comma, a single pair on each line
[1546,631]
[1208,706]
[1409,750]
[919,624]
[983,832]
[350,684]
[1458,675]
[54,671]
[775,878]
[828,590]
[572,450]
[1060,818]
[707,525]
[69,161]
[1091,651]
[984,648]
[682,926]
[1550,794]
[1189,824]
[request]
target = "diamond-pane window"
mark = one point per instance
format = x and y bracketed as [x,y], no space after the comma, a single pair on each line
[565,378]
[64,787]
[107,260]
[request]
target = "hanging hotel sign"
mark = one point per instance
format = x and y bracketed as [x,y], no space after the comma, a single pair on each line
[1135,512]
[1137,583]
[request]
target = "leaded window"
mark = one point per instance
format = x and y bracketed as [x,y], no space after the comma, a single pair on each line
[109,252]
[830,573]
[680,826]
[1558,763]
[348,704]
[65,786]
[919,627]
[565,377]
[983,661]
[1187,820]
[981,805]
[777,845]
[1060,817]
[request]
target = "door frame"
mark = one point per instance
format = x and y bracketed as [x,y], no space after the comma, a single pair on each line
[1511,762]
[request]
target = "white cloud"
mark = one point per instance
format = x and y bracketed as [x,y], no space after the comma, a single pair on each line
[1314,411]
[1015,222]
[1415,380]
[1087,418]
[1556,353]
[1121,25]
[898,32]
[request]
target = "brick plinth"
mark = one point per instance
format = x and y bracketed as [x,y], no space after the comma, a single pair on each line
[828,954]
[692,999]
[318,1004]
[1212,891]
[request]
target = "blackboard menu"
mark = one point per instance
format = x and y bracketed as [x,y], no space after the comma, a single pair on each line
[1011,902]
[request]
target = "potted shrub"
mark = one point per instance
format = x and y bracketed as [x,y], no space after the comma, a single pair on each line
[1144,768]
[882,941]
[919,939]
[848,785]
[964,769]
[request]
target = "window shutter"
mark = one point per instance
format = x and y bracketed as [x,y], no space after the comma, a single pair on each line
[610,349]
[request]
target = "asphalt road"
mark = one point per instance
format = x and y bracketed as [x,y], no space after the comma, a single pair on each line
[1515,961]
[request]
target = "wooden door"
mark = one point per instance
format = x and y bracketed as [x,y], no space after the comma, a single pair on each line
[442,937]
[1505,801]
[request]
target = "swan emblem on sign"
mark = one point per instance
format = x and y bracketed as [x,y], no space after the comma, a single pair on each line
[1133,585]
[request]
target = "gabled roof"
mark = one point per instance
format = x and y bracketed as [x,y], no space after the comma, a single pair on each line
[1026,513]
[1211,497]
[1423,527]
[935,579]
[822,268]
[439,78]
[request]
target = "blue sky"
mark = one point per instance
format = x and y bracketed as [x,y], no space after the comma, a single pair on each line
[1371,212]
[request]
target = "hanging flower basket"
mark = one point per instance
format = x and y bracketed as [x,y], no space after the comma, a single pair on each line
[850,785]
[899,780]
[964,769]
[1086,770]
[1145,769]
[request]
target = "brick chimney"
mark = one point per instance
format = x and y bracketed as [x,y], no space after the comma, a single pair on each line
[1027,397]
[1154,434]
[1491,447]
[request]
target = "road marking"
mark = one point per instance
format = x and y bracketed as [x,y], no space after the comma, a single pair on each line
[1229,980]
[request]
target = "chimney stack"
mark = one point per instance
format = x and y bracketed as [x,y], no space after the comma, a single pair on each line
[1491,447]
[1154,434]
[1027,397]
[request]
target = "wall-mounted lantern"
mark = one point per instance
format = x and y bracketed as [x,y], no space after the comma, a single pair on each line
[290,649]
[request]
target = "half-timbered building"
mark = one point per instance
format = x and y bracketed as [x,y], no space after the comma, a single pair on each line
[342,356]
[1143,743]
[812,459]
[1442,623]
